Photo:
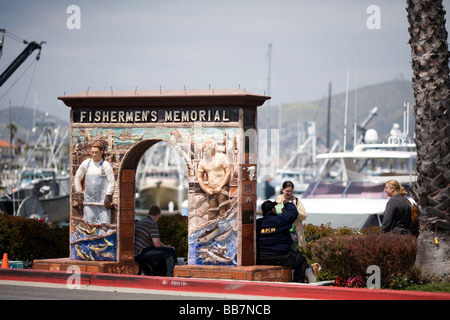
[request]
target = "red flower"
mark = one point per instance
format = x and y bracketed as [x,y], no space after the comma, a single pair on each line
[340,282]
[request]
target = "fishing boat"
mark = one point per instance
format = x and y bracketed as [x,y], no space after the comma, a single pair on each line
[42,190]
[161,179]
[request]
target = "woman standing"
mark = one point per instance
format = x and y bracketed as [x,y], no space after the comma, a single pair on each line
[288,189]
[397,215]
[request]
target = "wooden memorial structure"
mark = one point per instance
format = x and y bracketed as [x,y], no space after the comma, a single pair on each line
[215,133]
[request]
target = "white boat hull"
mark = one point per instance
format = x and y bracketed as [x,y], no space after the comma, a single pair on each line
[345,212]
[159,193]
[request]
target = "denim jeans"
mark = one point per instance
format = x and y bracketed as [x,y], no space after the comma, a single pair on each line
[156,255]
[292,259]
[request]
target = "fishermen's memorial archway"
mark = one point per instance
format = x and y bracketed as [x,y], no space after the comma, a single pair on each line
[215,133]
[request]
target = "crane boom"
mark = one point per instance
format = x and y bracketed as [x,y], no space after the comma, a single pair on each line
[20,59]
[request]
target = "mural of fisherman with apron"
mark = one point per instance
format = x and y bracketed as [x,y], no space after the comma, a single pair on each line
[99,186]
[94,237]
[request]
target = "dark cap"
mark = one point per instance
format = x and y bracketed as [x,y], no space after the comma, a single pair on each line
[268,205]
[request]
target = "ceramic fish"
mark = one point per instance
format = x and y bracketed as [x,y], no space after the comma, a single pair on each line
[209,235]
[224,235]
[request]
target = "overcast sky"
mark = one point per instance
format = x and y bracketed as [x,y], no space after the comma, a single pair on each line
[202,43]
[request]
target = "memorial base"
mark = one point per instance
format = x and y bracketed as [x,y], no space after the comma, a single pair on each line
[250,273]
[128,267]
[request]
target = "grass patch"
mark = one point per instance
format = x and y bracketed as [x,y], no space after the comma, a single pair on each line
[430,287]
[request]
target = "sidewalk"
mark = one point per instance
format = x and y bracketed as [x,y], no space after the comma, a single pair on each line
[253,288]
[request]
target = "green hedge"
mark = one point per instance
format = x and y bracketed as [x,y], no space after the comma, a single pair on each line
[314,233]
[174,230]
[26,239]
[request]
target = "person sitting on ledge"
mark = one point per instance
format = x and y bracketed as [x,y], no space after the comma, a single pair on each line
[148,247]
[274,240]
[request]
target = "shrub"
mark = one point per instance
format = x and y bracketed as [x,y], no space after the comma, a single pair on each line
[314,232]
[174,230]
[28,239]
[349,256]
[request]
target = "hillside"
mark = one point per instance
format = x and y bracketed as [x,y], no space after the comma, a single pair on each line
[389,97]
[22,117]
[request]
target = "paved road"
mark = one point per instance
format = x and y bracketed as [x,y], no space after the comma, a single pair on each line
[20,292]
[17,290]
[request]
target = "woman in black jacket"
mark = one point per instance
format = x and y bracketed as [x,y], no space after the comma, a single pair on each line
[397,215]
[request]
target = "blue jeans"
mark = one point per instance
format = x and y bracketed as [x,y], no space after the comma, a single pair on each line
[153,255]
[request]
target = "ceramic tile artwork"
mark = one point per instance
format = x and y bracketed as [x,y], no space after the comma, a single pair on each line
[212,238]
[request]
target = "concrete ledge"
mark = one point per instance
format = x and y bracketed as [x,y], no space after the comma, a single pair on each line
[45,276]
[250,273]
[62,264]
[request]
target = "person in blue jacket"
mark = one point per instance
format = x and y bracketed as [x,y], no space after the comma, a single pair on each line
[274,240]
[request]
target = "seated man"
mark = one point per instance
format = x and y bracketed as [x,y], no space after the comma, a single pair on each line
[148,248]
[274,239]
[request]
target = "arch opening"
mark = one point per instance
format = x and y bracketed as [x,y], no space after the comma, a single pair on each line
[160,175]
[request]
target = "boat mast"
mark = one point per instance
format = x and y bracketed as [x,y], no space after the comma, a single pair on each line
[345,113]
[269,75]
[328,116]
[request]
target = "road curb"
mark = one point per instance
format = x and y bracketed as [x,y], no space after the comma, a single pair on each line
[253,288]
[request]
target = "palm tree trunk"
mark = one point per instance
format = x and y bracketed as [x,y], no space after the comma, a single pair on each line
[431,84]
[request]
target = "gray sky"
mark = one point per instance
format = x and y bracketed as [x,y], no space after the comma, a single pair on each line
[197,43]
